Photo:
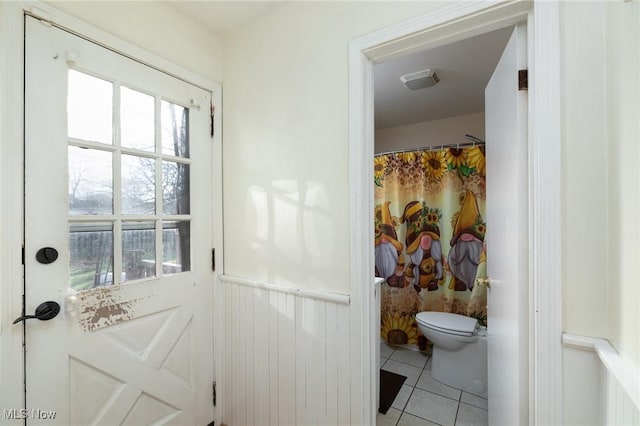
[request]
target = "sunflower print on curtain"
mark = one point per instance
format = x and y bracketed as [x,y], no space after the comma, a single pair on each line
[429,237]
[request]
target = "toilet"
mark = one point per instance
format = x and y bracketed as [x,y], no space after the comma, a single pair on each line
[459,357]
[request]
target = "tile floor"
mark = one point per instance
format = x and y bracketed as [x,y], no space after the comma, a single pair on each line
[423,400]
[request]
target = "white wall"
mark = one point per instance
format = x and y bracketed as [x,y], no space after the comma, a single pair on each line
[601,236]
[286,140]
[584,154]
[622,26]
[286,129]
[156,27]
[446,131]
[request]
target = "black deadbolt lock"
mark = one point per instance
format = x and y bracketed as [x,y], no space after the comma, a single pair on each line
[47,255]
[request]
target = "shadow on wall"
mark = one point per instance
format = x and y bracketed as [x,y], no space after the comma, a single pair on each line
[291,234]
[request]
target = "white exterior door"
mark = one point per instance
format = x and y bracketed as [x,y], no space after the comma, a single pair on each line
[118,182]
[507,237]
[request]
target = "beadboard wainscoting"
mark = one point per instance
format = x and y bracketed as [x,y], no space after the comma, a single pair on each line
[286,355]
[599,387]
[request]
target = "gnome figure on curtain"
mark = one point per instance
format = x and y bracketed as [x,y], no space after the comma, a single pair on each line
[423,246]
[467,244]
[388,250]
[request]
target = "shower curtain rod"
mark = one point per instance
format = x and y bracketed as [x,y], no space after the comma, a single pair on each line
[433,147]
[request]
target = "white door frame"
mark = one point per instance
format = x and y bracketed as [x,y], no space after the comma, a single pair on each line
[11,180]
[444,26]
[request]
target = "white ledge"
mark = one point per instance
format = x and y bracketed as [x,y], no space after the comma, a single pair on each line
[326,296]
[613,362]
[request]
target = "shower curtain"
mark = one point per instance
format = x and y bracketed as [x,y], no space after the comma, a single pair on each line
[429,237]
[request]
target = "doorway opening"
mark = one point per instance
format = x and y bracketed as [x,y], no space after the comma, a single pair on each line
[541,392]
[430,158]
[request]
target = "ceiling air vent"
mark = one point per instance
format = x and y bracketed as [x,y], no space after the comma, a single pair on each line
[420,79]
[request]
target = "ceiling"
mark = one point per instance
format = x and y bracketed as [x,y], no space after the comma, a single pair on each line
[222,16]
[464,69]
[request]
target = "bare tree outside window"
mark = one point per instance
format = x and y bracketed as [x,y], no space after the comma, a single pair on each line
[177,185]
[91,181]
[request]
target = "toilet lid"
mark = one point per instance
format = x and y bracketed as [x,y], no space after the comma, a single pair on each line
[449,323]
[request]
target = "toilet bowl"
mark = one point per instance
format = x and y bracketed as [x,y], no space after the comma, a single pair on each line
[459,357]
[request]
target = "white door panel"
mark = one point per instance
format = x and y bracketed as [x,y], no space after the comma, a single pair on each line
[134,341]
[507,310]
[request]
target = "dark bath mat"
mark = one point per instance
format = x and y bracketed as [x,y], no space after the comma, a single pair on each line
[390,384]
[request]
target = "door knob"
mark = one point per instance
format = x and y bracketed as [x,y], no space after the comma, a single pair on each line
[46,255]
[44,312]
[484,282]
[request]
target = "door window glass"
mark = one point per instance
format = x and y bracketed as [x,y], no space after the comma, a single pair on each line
[137,119]
[91,254]
[175,130]
[175,188]
[120,197]
[90,181]
[89,108]
[138,250]
[176,236]
[138,185]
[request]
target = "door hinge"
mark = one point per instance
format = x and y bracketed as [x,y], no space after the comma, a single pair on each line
[23,255]
[214,394]
[213,259]
[523,80]
[213,115]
